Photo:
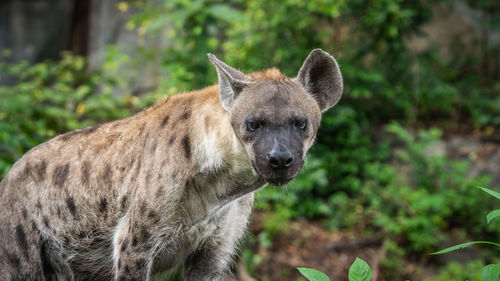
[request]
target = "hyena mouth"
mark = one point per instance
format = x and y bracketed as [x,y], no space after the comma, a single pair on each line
[279,181]
[276,177]
[280,177]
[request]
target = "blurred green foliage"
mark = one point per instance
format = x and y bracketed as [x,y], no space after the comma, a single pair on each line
[456,271]
[50,98]
[367,173]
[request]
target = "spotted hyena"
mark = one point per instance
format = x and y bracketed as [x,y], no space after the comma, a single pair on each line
[172,185]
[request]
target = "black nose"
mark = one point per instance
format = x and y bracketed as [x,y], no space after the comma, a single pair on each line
[279,159]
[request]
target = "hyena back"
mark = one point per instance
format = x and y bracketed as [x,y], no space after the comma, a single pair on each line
[172,185]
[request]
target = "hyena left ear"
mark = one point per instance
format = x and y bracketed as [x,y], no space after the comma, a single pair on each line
[231,82]
[320,76]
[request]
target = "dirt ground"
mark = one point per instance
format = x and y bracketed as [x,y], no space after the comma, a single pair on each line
[307,244]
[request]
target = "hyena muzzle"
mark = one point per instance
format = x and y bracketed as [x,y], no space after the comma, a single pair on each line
[172,185]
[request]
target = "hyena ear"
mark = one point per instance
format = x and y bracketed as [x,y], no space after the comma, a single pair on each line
[231,82]
[320,76]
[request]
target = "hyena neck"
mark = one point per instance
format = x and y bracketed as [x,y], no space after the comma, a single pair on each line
[219,153]
[206,143]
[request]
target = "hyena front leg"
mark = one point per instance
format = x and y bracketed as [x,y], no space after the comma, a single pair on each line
[134,246]
[212,261]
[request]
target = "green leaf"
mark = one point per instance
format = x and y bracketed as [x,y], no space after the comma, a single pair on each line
[490,272]
[463,245]
[492,215]
[313,274]
[360,271]
[491,192]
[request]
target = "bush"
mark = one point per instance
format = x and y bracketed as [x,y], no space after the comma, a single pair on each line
[49,98]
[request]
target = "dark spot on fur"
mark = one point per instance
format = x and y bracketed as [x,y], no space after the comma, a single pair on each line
[103,204]
[85,172]
[21,240]
[98,240]
[159,192]
[124,244]
[164,121]
[122,278]
[40,171]
[122,169]
[140,263]
[127,269]
[90,130]
[186,146]
[71,205]
[151,215]
[46,221]
[106,144]
[26,173]
[25,213]
[171,140]
[48,269]
[154,145]
[145,234]
[119,263]
[13,260]
[134,241]
[106,176]
[38,205]
[124,202]
[59,211]
[66,241]
[142,208]
[69,135]
[60,175]
[86,131]
[186,114]
[82,234]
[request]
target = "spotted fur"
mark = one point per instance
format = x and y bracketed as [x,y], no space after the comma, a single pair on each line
[172,185]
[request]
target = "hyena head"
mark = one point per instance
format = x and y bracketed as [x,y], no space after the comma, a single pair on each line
[276,117]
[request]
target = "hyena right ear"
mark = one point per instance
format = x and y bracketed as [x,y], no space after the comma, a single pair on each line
[231,82]
[320,76]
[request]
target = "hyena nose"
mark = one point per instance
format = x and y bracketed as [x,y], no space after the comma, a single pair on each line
[279,159]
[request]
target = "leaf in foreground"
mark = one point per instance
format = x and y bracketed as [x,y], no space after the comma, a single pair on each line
[491,192]
[463,245]
[490,272]
[360,271]
[313,274]
[492,215]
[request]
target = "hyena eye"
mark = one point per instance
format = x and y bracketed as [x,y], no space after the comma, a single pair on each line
[252,126]
[300,124]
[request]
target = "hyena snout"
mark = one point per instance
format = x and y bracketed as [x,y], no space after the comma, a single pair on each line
[280,157]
